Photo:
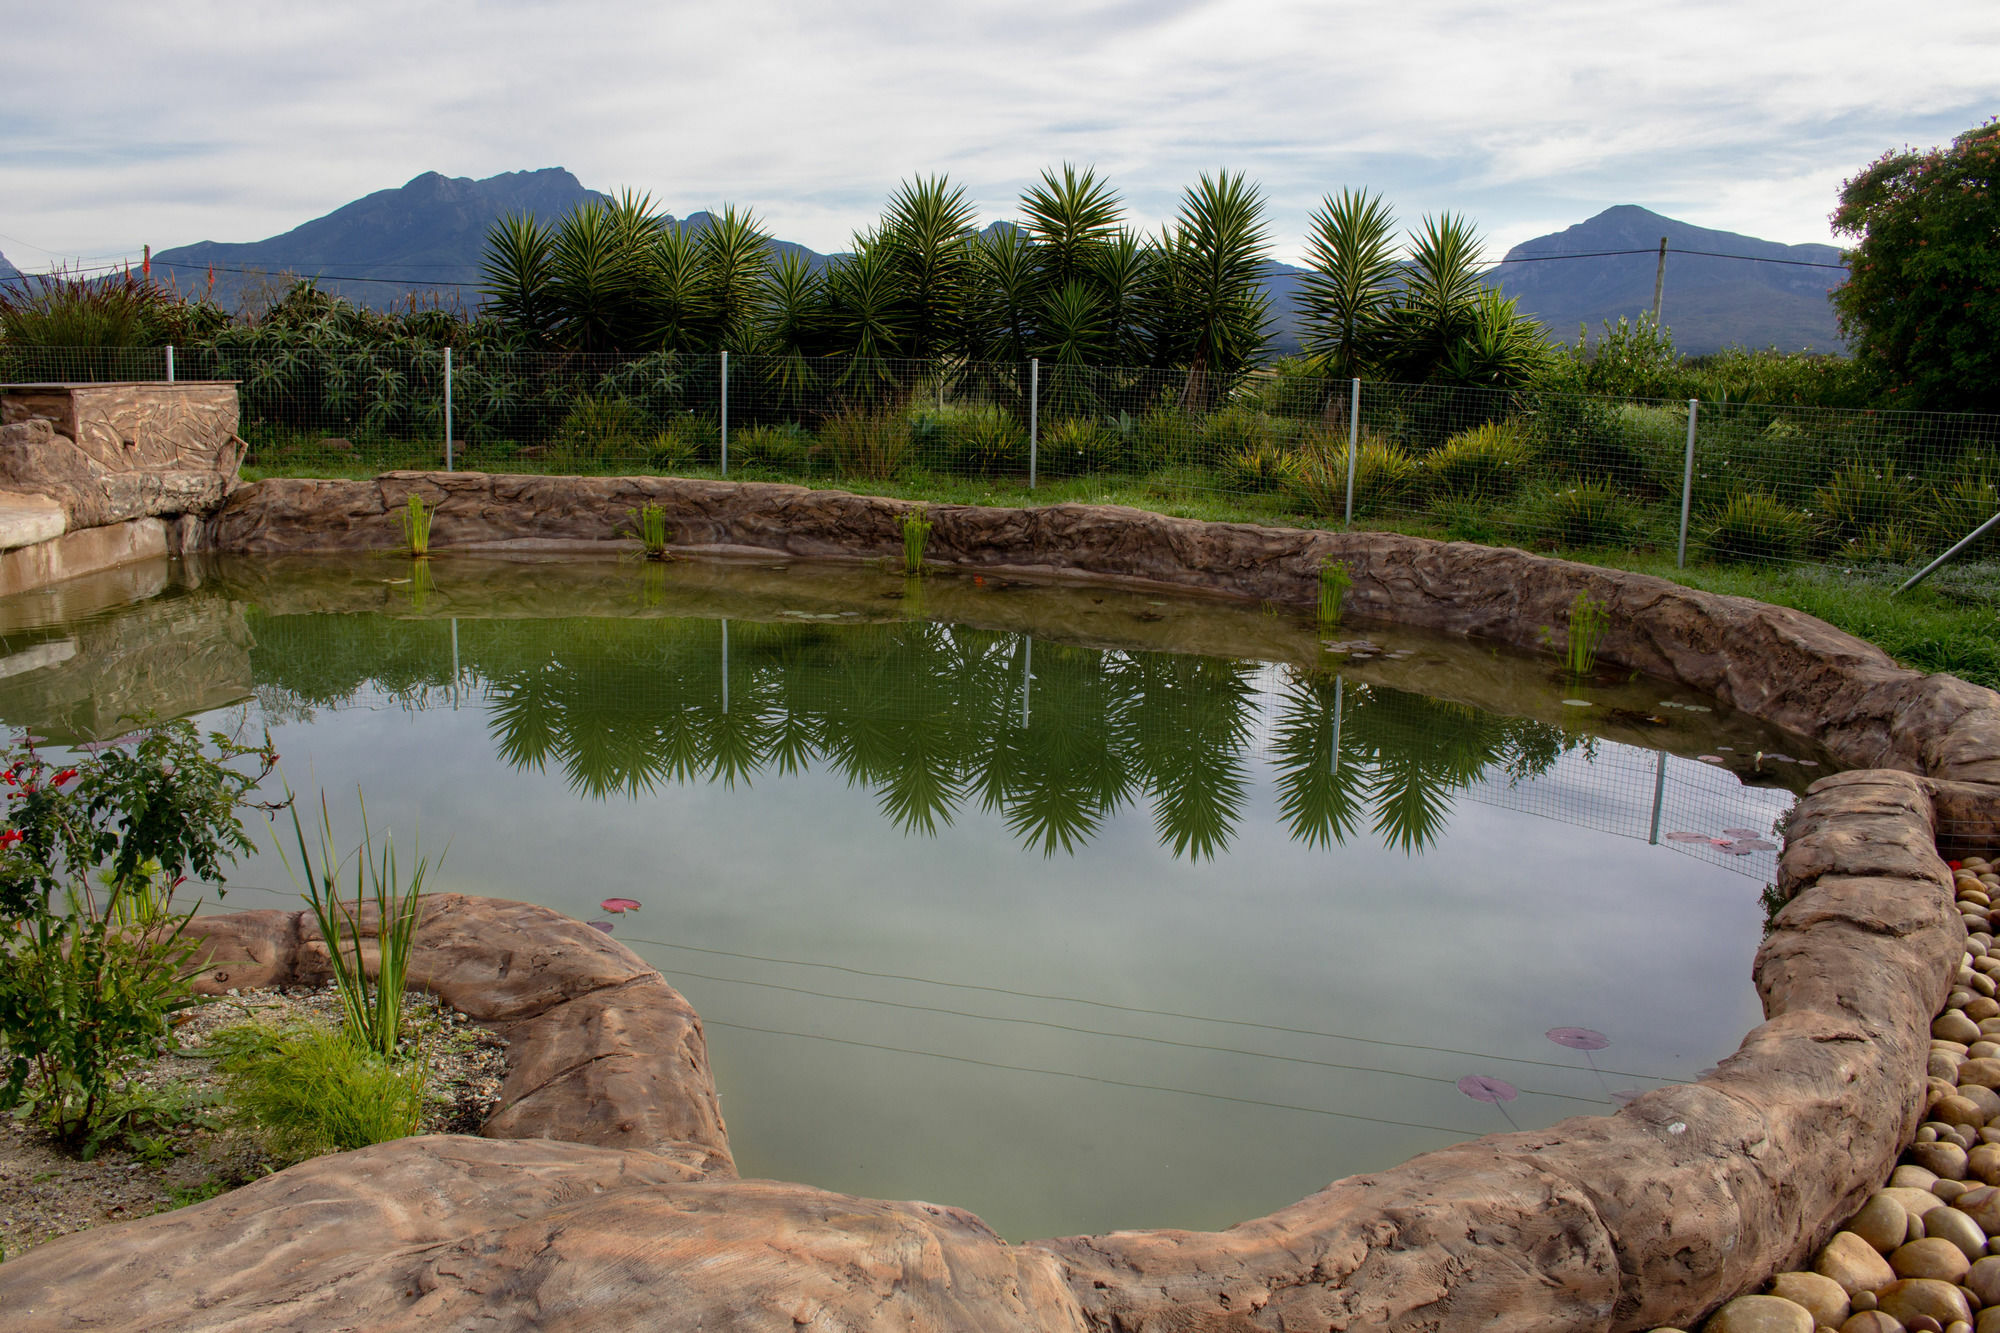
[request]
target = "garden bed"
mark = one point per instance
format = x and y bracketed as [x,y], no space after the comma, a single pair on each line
[188,1146]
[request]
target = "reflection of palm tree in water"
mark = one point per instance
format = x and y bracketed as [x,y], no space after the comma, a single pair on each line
[931,717]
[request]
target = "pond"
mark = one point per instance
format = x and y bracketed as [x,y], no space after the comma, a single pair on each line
[1079,907]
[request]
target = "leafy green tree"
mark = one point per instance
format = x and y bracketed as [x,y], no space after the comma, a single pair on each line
[1349,289]
[1210,312]
[927,241]
[1921,304]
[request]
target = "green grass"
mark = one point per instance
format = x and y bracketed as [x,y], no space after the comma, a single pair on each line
[309,1090]
[1951,623]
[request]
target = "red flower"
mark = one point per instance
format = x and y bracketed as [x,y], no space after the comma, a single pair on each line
[9,838]
[63,777]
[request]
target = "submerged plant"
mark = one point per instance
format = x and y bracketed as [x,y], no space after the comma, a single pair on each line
[916,531]
[1334,581]
[417,525]
[649,525]
[374,1011]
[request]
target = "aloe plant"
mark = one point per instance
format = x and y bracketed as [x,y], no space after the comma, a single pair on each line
[417,525]
[1587,623]
[1334,581]
[649,525]
[916,531]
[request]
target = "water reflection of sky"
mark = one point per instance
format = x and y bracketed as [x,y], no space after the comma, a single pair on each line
[1118,1035]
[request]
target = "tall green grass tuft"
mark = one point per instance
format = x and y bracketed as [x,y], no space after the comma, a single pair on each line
[373,1007]
[417,526]
[1587,623]
[1754,526]
[308,1090]
[1334,581]
[916,531]
[649,525]
[872,445]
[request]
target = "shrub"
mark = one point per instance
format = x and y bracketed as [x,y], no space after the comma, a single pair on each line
[1075,446]
[1589,513]
[1859,497]
[599,428]
[1965,503]
[309,1090]
[681,444]
[1384,475]
[1901,543]
[1165,437]
[1257,468]
[1754,526]
[783,448]
[1466,519]
[871,444]
[975,441]
[1241,427]
[1486,462]
[92,959]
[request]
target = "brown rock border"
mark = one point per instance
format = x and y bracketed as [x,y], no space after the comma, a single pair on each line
[1687,1197]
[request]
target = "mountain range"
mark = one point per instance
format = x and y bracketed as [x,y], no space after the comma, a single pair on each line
[8,273]
[426,236]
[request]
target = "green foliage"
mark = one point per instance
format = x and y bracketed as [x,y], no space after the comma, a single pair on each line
[1334,581]
[1587,623]
[310,1090]
[1347,294]
[1921,305]
[781,447]
[84,996]
[1486,462]
[972,441]
[1894,541]
[1077,446]
[874,444]
[1210,310]
[1754,526]
[1384,475]
[1634,358]
[1860,496]
[373,1006]
[1585,514]
[416,516]
[916,531]
[600,427]
[1259,468]
[56,310]
[649,526]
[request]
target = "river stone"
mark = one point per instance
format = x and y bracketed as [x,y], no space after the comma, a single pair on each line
[1989,1321]
[1955,1226]
[1983,1070]
[1940,1159]
[1982,1205]
[1911,1177]
[1913,1201]
[1959,1109]
[1870,1321]
[1985,1098]
[1931,1257]
[1821,1296]
[1982,1007]
[1984,1162]
[1942,1064]
[1882,1222]
[1985,1280]
[1760,1314]
[1953,1025]
[1854,1264]
[1911,1297]
[1949,1190]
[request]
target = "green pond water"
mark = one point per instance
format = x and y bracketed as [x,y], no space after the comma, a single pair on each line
[1082,908]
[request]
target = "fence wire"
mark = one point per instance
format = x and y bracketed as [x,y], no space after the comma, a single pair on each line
[1751,483]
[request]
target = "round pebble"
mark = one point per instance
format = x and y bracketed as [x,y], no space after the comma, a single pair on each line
[1958,1109]
[1986,1099]
[1946,1160]
[1863,1300]
[1854,1263]
[1955,1226]
[1983,1070]
[1932,1257]
[1949,1190]
[1953,1025]
[1870,1321]
[1933,1298]
[1912,1177]
[1760,1314]
[1983,1163]
[1882,1222]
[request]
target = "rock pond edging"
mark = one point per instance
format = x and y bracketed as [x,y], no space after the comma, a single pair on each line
[1687,1197]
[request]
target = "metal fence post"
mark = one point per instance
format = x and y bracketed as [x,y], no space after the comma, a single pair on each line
[725,414]
[1353,444]
[447,409]
[1687,485]
[170,363]
[1034,415]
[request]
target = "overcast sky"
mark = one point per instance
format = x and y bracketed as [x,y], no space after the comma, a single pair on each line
[170,123]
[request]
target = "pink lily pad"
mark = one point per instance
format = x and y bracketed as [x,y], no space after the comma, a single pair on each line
[1486,1088]
[1579,1039]
[618,905]
[1723,843]
[1709,758]
[1682,835]
[604,926]
[1744,832]
[1756,845]
[1736,849]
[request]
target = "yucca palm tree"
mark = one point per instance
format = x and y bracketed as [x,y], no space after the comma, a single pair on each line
[1217,316]
[927,240]
[1347,296]
[733,258]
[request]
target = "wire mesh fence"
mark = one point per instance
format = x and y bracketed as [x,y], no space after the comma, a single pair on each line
[1745,482]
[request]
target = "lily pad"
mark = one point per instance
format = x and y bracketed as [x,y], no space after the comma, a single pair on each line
[1576,703]
[1578,1039]
[1709,758]
[1486,1088]
[1682,835]
[1744,832]
[618,905]
[604,926]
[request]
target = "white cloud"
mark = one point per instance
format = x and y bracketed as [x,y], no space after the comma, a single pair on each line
[233,121]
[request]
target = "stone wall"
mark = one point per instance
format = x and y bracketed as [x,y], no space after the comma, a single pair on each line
[106,453]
